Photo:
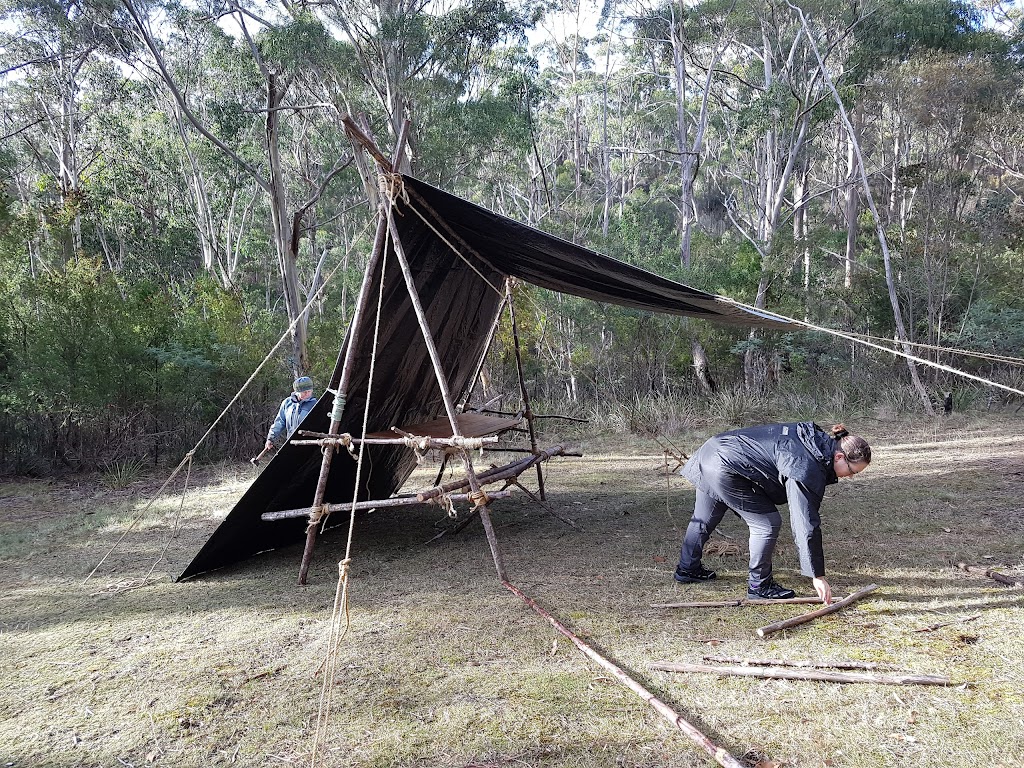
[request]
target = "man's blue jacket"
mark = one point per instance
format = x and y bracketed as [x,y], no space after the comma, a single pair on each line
[289,416]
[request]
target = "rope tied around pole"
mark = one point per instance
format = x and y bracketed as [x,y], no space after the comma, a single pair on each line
[316,514]
[468,443]
[479,498]
[419,445]
[346,440]
[392,187]
[444,501]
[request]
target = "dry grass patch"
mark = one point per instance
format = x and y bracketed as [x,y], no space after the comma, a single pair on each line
[443,667]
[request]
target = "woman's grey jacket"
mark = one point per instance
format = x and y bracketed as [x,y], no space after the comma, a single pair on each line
[790,463]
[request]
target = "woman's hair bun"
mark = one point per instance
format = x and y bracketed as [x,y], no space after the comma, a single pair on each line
[839,431]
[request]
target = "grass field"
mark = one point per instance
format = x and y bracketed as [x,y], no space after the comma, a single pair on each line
[442,666]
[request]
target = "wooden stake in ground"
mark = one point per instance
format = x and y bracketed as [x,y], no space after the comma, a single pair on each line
[805,674]
[797,620]
[1002,578]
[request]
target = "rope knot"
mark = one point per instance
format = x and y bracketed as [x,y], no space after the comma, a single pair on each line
[392,187]
[480,498]
[346,440]
[316,514]
[419,445]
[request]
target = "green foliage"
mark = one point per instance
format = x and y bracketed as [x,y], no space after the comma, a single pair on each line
[990,328]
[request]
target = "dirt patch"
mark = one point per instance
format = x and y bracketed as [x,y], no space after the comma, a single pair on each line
[442,666]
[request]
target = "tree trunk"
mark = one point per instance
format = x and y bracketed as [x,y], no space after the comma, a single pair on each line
[700,367]
[286,236]
[850,210]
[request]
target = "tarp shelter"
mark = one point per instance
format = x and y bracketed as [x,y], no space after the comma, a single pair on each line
[459,284]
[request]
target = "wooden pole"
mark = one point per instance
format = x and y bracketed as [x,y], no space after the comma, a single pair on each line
[428,443]
[863,665]
[1002,578]
[513,469]
[343,381]
[741,602]
[356,133]
[719,754]
[442,383]
[483,357]
[544,505]
[805,674]
[401,501]
[797,620]
[522,382]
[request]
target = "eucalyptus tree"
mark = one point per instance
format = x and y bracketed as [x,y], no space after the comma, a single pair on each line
[284,54]
[54,84]
[438,64]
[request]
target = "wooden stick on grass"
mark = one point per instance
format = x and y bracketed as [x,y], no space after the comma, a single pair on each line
[740,602]
[719,754]
[940,625]
[797,620]
[1009,581]
[870,666]
[805,674]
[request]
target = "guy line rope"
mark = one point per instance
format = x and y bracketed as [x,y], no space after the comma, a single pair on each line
[187,460]
[859,340]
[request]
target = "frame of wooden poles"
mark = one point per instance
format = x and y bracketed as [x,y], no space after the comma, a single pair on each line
[459,445]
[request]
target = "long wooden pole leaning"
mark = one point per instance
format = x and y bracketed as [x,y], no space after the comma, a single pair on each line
[343,381]
[719,754]
[522,382]
[797,620]
[442,383]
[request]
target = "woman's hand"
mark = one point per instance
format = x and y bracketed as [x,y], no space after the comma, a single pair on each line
[823,589]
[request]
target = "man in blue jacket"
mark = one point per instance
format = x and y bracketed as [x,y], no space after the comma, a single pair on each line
[292,411]
[751,471]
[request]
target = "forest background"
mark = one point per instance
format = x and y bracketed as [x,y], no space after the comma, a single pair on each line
[178,186]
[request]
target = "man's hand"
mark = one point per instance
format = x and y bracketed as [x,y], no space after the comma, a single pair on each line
[269,446]
[823,589]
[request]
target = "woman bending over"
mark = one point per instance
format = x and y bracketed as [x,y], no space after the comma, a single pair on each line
[751,471]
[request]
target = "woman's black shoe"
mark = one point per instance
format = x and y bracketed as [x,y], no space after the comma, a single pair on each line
[700,573]
[770,590]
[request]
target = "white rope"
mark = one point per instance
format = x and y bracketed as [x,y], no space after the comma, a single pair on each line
[950,350]
[856,338]
[455,250]
[188,456]
[335,634]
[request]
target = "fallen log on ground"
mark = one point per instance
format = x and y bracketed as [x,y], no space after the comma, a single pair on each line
[1002,578]
[797,620]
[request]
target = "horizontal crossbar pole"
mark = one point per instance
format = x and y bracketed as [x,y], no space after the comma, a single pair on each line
[421,442]
[402,501]
[514,469]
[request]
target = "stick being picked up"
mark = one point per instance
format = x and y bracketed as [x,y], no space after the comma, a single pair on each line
[797,620]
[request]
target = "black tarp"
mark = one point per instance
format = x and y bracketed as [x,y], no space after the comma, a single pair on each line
[460,308]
